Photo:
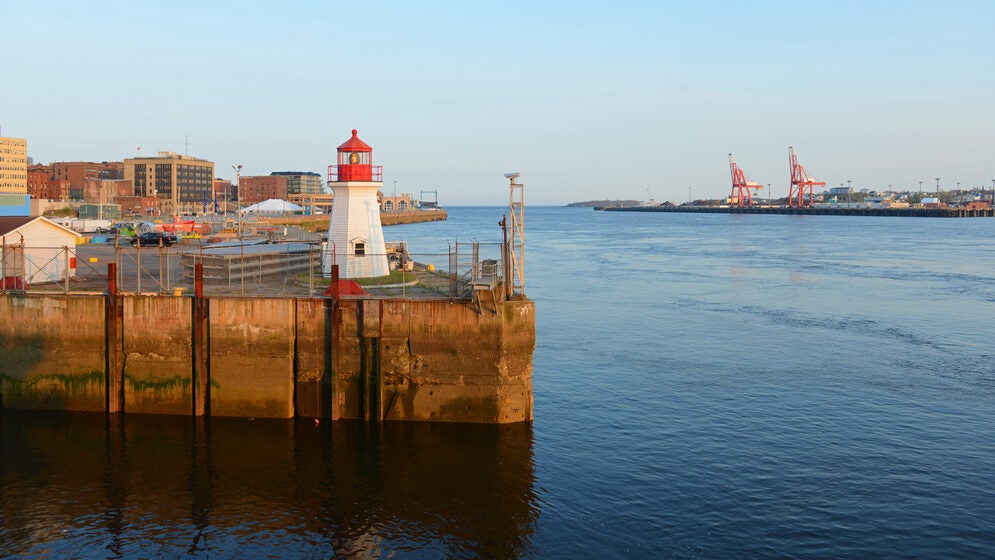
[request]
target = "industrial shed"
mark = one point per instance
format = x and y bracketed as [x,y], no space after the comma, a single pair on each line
[35,250]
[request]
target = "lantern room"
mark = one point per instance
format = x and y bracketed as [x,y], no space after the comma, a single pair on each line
[355,162]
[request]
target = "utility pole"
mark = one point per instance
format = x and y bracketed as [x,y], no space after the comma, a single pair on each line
[238,174]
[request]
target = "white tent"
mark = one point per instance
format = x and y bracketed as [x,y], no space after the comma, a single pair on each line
[272,206]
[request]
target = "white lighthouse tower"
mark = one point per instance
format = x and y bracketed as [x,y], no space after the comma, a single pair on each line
[355,235]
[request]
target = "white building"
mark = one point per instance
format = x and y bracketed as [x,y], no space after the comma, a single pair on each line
[36,250]
[355,234]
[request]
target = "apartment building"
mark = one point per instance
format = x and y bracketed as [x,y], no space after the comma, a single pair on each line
[181,183]
[13,166]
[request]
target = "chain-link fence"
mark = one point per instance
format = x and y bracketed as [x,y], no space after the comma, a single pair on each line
[260,267]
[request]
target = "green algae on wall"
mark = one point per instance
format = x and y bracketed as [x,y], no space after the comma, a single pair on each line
[72,384]
[158,385]
[379,359]
[59,391]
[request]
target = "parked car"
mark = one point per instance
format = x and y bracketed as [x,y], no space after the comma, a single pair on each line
[154,238]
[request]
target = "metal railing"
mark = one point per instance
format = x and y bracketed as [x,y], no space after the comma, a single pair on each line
[249,268]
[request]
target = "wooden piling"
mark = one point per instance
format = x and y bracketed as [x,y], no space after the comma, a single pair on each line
[113,323]
[201,369]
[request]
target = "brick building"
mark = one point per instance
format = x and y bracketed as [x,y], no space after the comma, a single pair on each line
[224,194]
[41,185]
[78,172]
[391,203]
[137,205]
[105,191]
[262,187]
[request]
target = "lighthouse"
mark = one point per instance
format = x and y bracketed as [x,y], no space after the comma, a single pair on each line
[355,235]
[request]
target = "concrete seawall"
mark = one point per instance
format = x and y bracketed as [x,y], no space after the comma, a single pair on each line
[352,358]
[815,211]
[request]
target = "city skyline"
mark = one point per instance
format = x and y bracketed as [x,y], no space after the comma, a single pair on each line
[587,101]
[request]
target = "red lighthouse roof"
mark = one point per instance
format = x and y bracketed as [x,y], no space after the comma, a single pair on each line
[354,144]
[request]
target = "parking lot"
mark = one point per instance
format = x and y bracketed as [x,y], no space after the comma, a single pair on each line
[140,269]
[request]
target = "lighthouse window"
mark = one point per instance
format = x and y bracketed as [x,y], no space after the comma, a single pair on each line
[360,248]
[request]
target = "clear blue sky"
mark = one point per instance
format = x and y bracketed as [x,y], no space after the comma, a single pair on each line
[588,100]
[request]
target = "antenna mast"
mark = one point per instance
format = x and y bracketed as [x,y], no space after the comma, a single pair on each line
[516,246]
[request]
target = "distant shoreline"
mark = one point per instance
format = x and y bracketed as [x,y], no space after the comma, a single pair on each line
[603,203]
[946,212]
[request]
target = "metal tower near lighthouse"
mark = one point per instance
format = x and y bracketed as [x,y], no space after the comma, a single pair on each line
[355,235]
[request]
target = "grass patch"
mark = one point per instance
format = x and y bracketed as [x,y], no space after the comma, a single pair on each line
[317,279]
[395,277]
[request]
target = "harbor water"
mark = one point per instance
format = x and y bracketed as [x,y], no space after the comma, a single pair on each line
[706,386]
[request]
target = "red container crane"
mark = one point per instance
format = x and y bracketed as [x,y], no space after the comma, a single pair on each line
[741,188]
[801,182]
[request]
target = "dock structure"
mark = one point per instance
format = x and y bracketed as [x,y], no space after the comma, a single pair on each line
[455,348]
[948,212]
[461,355]
[359,357]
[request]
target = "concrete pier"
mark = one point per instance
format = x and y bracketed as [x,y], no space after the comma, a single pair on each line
[351,357]
[815,211]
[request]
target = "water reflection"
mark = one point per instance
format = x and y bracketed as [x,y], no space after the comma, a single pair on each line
[95,486]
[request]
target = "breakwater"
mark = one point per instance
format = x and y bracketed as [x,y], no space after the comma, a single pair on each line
[320,223]
[815,211]
[337,358]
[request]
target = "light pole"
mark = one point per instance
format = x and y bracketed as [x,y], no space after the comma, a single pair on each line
[238,194]
[993,192]
[920,189]
[848,189]
[770,196]
[394,205]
